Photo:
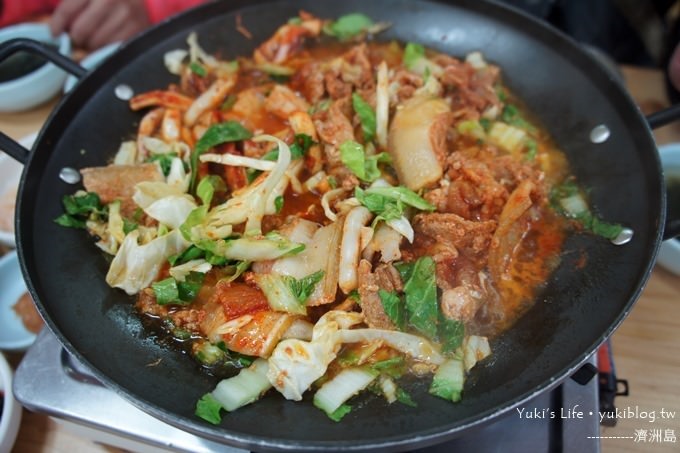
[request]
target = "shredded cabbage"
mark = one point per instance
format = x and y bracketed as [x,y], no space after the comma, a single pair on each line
[135,266]
[172,210]
[180,271]
[295,364]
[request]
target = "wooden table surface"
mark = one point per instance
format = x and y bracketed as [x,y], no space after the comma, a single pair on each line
[645,346]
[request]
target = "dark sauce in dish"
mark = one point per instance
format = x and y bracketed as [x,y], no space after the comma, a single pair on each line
[21,64]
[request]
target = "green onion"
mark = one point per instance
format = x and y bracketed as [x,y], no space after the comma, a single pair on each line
[348,26]
[197,69]
[412,53]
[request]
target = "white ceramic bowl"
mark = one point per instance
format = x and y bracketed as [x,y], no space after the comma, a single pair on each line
[13,335]
[669,253]
[40,85]
[11,409]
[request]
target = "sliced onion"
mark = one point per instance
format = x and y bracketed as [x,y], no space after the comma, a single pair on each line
[382,105]
[325,202]
[417,347]
[238,161]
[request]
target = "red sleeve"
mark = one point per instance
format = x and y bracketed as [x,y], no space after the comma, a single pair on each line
[160,9]
[12,12]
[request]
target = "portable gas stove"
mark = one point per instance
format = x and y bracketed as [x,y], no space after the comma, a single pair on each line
[49,380]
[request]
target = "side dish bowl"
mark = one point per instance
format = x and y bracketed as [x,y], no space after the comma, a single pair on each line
[10,419]
[669,253]
[13,335]
[40,84]
[587,112]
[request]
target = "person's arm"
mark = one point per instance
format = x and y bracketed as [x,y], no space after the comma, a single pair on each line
[160,9]
[94,23]
[12,12]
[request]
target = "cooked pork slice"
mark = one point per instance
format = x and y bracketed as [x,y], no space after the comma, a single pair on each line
[461,303]
[451,231]
[385,277]
[283,102]
[334,129]
[117,182]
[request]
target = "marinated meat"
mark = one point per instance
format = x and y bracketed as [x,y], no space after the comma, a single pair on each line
[117,182]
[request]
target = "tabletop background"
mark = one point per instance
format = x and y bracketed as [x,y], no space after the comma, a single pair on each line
[644,347]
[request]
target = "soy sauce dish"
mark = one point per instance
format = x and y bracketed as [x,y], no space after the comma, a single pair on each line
[26,80]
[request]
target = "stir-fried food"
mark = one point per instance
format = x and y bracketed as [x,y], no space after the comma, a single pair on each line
[332,214]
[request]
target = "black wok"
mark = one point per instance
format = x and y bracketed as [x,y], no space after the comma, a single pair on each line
[580,307]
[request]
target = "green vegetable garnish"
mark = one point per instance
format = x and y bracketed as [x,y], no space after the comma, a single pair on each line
[532,149]
[208,408]
[394,308]
[164,160]
[451,333]
[304,287]
[568,199]
[348,26]
[278,203]
[421,297]
[194,219]
[340,412]
[229,102]
[394,367]
[229,131]
[171,291]
[512,116]
[192,253]
[80,208]
[404,398]
[419,306]
[388,203]
[197,69]
[298,148]
[366,116]
[129,225]
[365,167]
[412,53]
[208,186]
[448,380]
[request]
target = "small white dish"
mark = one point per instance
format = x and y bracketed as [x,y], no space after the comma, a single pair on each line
[40,85]
[13,335]
[10,173]
[92,61]
[11,409]
[669,253]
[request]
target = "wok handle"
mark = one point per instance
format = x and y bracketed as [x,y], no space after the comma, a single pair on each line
[12,46]
[672,229]
[665,116]
[36,47]
[13,148]
[658,119]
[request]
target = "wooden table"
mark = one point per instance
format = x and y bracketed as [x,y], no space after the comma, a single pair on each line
[645,346]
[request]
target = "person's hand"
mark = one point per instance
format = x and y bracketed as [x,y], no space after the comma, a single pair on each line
[94,23]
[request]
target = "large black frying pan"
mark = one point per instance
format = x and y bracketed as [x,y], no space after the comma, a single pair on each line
[581,306]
